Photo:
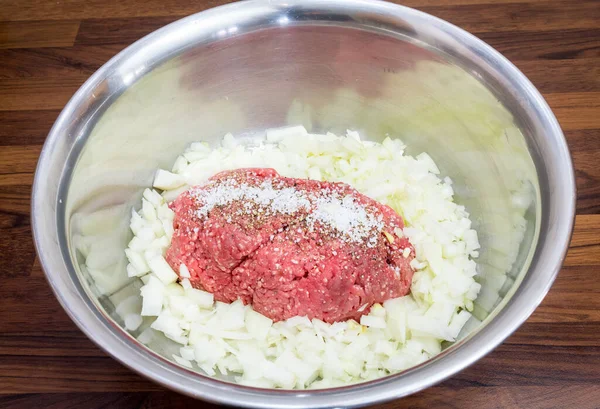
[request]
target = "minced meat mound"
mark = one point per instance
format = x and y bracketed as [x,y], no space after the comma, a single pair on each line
[290,247]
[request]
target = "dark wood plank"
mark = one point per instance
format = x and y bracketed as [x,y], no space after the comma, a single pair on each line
[30,374]
[48,342]
[585,245]
[562,307]
[30,34]
[37,306]
[30,94]
[530,397]
[585,149]
[50,63]
[575,280]
[119,30]
[15,191]
[16,251]
[576,110]
[525,16]
[19,158]
[577,333]
[82,9]
[545,45]
[31,300]
[15,240]
[531,365]
[560,76]
[90,401]
[26,127]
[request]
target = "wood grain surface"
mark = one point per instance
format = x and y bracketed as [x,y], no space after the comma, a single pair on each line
[49,48]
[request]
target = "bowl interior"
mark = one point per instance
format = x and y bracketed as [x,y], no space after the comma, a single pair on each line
[403,75]
[327,78]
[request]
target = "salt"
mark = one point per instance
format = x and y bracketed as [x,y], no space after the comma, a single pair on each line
[286,201]
[340,212]
[346,216]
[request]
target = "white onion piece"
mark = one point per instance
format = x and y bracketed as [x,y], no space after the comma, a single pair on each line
[279,134]
[183,271]
[159,266]
[133,321]
[187,353]
[138,261]
[372,321]
[229,141]
[132,271]
[202,298]
[167,181]
[153,294]
[148,211]
[146,336]
[153,197]
[257,324]
[182,361]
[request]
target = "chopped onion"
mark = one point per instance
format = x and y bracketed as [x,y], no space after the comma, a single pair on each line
[372,321]
[153,294]
[166,180]
[182,361]
[133,321]
[183,271]
[303,353]
[201,298]
[257,324]
[279,134]
[159,266]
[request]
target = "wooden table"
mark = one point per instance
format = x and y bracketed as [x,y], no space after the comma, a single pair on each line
[49,48]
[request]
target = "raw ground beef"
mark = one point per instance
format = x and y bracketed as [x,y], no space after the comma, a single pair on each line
[290,246]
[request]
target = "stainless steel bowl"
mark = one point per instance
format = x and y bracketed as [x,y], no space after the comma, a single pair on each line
[331,65]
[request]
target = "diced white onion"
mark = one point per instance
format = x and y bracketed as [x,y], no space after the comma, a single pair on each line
[279,134]
[202,298]
[159,266]
[257,324]
[166,180]
[133,321]
[372,321]
[303,353]
[182,361]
